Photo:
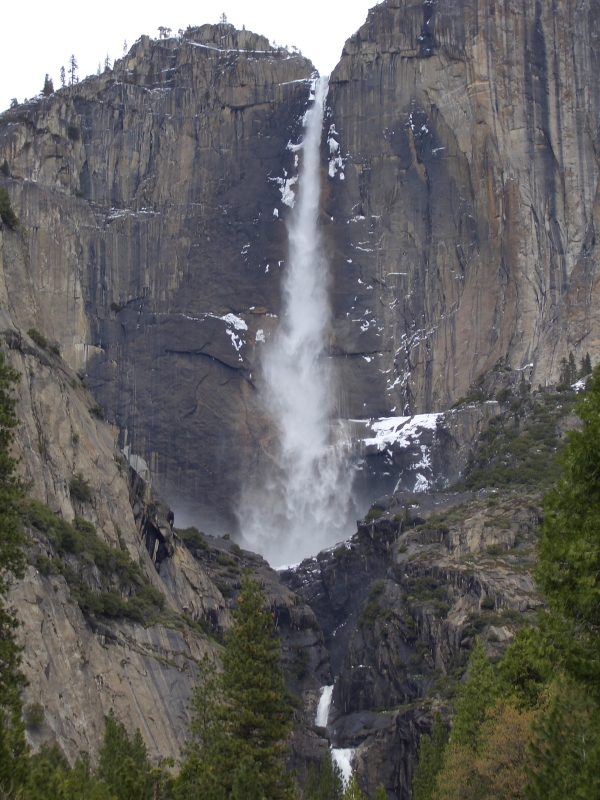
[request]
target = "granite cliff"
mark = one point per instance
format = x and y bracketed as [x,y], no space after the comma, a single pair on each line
[459,213]
[464,227]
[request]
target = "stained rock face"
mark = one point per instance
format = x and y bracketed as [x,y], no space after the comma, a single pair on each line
[462,197]
[153,196]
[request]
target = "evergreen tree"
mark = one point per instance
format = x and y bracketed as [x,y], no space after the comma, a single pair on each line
[497,769]
[524,672]
[352,791]
[107,63]
[48,88]
[123,763]
[431,761]
[73,67]
[239,746]
[7,215]
[474,697]
[380,792]
[568,569]
[572,368]
[586,366]
[13,748]
[566,746]
[327,783]
[63,77]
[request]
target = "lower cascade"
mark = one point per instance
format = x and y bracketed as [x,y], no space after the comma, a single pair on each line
[303,503]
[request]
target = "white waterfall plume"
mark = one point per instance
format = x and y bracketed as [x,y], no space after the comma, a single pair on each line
[303,504]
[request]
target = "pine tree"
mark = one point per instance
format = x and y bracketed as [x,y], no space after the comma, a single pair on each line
[63,77]
[353,791]
[13,748]
[123,763]
[572,368]
[380,792]
[569,548]
[566,746]
[496,770]
[586,366]
[107,63]
[7,215]
[431,761]
[48,88]
[240,746]
[327,783]
[73,67]
[474,697]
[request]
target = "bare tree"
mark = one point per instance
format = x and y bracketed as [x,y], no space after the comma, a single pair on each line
[125,47]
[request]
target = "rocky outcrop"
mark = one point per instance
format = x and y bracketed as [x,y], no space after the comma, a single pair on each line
[400,605]
[463,197]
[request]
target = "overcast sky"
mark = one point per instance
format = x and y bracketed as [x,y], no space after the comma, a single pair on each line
[39,37]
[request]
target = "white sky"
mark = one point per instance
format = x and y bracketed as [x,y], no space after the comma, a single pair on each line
[40,36]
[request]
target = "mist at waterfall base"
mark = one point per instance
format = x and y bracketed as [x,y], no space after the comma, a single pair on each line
[302,503]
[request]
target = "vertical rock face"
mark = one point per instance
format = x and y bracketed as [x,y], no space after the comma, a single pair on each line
[459,213]
[462,199]
[153,197]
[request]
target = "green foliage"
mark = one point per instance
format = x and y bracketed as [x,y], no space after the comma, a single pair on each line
[586,366]
[473,698]
[97,411]
[34,714]
[373,514]
[241,718]
[123,763]
[124,772]
[523,672]
[37,337]
[352,791]
[7,214]
[568,372]
[566,746]
[569,549]
[521,452]
[48,87]
[431,761]
[380,792]
[13,748]
[326,783]
[144,602]
[79,488]
[192,538]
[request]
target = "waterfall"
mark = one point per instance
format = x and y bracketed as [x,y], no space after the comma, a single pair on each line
[303,504]
[322,714]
